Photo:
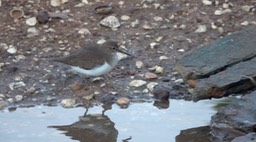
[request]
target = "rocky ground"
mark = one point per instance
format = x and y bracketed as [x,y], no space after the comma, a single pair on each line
[156,32]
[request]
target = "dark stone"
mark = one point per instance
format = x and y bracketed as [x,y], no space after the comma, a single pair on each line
[251,137]
[236,119]
[227,66]
[219,55]
[161,94]
[199,134]
[42,17]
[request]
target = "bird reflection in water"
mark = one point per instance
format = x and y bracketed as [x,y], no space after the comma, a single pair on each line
[91,128]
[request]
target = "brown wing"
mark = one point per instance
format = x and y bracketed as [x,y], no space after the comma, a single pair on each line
[83,57]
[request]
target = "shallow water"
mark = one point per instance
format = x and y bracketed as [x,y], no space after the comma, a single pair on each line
[140,121]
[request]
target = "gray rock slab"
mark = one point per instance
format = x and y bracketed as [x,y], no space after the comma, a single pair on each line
[236,119]
[235,79]
[220,54]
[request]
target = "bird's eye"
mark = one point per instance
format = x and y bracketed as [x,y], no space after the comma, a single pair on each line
[113,47]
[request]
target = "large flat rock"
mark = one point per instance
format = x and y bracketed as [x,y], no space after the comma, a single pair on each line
[226,66]
[236,119]
[220,54]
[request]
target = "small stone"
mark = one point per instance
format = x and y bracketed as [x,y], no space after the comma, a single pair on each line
[12,49]
[158,39]
[207,2]
[163,58]
[220,30]
[111,22]
[153,45]
[31,21]
[213,26]
[2,96]
[89,97]
[179,81]
[2,104]
[85,1]
[10,100]
[31,90]
[151,86]
[135,23]
[76,86]
[123,101]
[245,23]
[137,83]
[121,3]
[227,11]
[247,8]
[3,47]
[157,69]
[84,31]
[150,75]
[225,5]
[158,18]
[161,94]
[139,64]
[18,98]
[201,29]
[218,12]
[125,17]
[147,27]
[0,3]
[64,1]
[55,3]
[68,103]
[17,84]
[32,31]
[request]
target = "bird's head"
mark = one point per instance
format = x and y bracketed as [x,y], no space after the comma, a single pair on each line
[113,46]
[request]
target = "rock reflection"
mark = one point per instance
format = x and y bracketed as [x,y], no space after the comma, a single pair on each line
[96,128]
[199,134]
[164,104]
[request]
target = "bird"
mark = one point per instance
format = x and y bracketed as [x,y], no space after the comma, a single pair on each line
[93,59]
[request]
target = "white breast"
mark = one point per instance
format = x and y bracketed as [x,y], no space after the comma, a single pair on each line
[97,71]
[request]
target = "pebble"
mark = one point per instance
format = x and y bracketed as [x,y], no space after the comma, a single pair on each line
[12,49]
[18,98]
[0,3]
[125,17]
[137,83]
[150,75]
[55,3]
[201,29]
[245,23]
[163,58]
[207,2]
[42,17]
[31,21]
[31,90]
[85,1]
[151,85]
[139,64]
[32,31]
[10,100]
[161,94]
[218,12]
[179,81]
[17,84]
[157,69]
[2,104]
[247,8]
[153,45]
[111,22]
[135,23]
[158,18]
[89,97]
[2,96]
[84,31]
[76,86]
[68,103]
[123,101]
[147,27]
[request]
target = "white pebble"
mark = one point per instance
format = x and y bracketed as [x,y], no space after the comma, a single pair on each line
[111,22]
[55,3]
[12,50]
[245,23]
[218,12]
[137,83]
[139,64]
[18,98]
[207,2]
[68,103]
[84,31]
[31,21]
[201,29]
[151,86]
[163,58]
[125,17]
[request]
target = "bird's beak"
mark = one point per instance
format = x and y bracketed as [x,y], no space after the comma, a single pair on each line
[122,51]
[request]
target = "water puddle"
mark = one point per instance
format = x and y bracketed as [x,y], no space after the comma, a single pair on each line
[140,122]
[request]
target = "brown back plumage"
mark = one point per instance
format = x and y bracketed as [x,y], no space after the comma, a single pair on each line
[91,55]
